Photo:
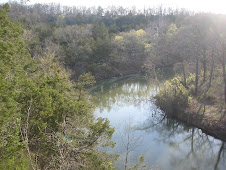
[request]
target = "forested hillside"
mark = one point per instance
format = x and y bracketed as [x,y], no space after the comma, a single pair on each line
[48,54]
[116,41]
[46,120]
[107,42]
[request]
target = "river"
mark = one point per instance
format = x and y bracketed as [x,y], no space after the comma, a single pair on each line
[166,144]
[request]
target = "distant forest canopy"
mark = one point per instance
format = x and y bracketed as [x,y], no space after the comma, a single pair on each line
[116,40]
[91,15]
[88,38]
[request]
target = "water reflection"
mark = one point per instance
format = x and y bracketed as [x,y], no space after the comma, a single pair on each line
[119,92]
[187,147]
[166,143]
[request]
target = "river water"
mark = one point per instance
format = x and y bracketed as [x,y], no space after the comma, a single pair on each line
[142,129]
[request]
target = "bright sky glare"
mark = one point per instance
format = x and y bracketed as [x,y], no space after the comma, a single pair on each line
[215,6]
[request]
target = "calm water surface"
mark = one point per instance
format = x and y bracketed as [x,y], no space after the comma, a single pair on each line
[165,143]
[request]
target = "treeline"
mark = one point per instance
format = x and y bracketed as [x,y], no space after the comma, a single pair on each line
[46,120]
[198,47]
[118,19]
[101,41]
[198,95]
[142,41]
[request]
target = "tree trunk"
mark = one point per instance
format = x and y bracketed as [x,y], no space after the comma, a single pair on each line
[126,161]
[184,74]
[219,156]
[212,68]
[196,75]
[127,151]
[224,74]
[204,64]
[192,140]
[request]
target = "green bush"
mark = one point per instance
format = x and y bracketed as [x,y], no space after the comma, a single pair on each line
[174,97]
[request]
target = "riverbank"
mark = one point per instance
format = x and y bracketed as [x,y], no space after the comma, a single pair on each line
[208,118]
[117,69]
[124,101]
[206,110]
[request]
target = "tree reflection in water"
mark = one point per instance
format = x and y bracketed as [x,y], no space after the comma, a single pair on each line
[190,148]
[167,143]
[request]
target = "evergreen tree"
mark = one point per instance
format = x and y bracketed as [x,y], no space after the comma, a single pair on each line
[14,63]
[46,120]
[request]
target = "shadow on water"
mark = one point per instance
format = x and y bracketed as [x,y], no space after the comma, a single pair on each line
[188,147]
[166,143]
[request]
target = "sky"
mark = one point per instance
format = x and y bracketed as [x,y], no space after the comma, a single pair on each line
[215,6]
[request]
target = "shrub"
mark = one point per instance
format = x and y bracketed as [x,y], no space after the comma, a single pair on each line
[174,97]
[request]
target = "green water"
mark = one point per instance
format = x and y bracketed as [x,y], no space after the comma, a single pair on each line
[166,144]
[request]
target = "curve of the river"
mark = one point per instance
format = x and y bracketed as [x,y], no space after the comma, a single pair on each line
[166,144]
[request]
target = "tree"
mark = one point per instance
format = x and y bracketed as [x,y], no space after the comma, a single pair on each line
[45,122]
[14,63]
[102,46]
[131,141]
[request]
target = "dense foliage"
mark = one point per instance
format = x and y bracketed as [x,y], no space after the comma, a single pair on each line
[117,41]
[46,120]
[175,97]
[107,42]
